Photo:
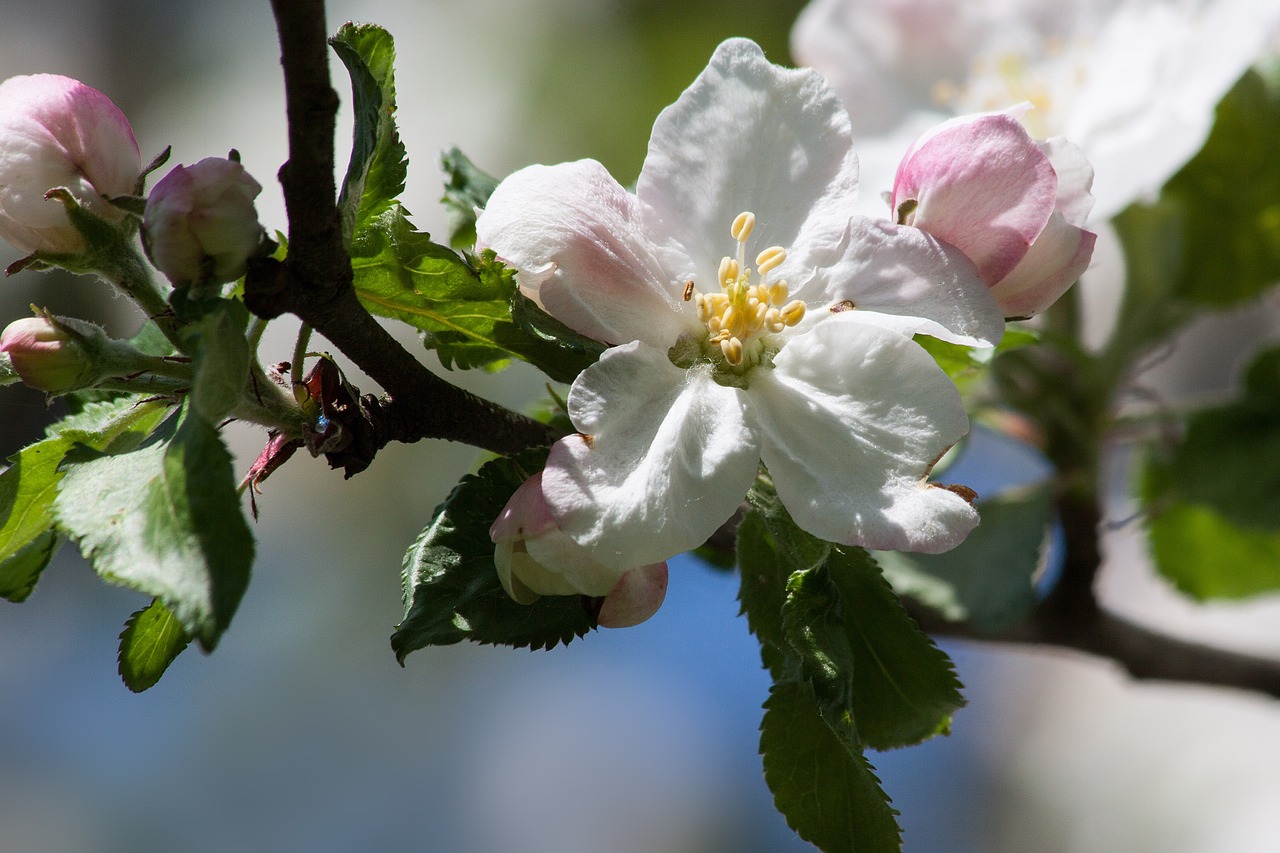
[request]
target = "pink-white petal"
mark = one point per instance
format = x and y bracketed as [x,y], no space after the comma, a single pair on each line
[983,185]
[1057,259]
[666,458]
[851,422]
[637,596]
[579,237]
[905,272]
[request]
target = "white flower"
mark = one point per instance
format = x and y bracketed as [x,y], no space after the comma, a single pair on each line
[795,353]
[58,132]
[200,225]
[1132,82]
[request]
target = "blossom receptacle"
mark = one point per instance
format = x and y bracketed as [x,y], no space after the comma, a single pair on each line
[1012,205]
[200,224]
[48,355]
[59,132]
[535,558]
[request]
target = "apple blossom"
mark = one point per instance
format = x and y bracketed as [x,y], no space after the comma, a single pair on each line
[1013,206]
[1132,82]
[58,132]
[200,225]
[535,558]
[801,360]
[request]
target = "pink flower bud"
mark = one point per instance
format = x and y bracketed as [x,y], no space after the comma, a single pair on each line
[46,356]
[1012,205]
[200,225]
[535,558]
[58,132]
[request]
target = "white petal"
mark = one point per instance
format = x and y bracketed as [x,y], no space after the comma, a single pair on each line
[577,235]
[666,458]
[903,271]
[563,567]
[749,135]
[851,421]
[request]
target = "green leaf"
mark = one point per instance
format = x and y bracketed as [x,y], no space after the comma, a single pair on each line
[462,311]
[165,519]
[1229,194]
[839,625]
[152,638]
[467,189]
[214,333]
[1208,557]
[986,580]
[20,570]
[821,782]
[847,622]
[1229,458]
[29,485]
[965,365]
[376,174]
[451,587]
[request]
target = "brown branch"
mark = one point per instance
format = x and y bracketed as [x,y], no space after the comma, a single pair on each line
[315,281]
[1143,653]
[1070,617]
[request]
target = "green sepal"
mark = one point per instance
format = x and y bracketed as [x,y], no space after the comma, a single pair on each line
[467,189]
[463,309]
[378,167]
[821,781]
[451,587]
[164,519]
[987,580]
[152,638]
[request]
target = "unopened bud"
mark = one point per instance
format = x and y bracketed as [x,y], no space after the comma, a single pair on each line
[47,355]
[200,225]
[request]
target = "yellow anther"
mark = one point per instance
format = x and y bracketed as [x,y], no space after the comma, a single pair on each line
[732,349]
[773,321]
[728,273]
[792,313]
[704,309]
[733,321]
[758,316]
[770,258]
[778,293]
[743,225]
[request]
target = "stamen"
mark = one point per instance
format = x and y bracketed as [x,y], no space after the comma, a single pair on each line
[729,269]
[793,312]
[743,224]
[770,258]
[688,290]
[732,350]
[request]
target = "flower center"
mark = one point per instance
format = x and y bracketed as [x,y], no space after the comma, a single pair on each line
[1047,77]
[743,313]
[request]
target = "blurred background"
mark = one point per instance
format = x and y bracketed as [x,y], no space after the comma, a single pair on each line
[302,733]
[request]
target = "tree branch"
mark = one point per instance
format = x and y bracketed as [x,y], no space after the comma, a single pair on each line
[315,281]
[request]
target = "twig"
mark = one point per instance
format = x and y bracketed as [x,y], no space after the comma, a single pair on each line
[315,281]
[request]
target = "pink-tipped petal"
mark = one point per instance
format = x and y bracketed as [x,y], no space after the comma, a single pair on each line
[637,596]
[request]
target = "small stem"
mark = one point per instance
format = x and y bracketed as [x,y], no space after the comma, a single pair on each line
[299,357]
[133,276]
